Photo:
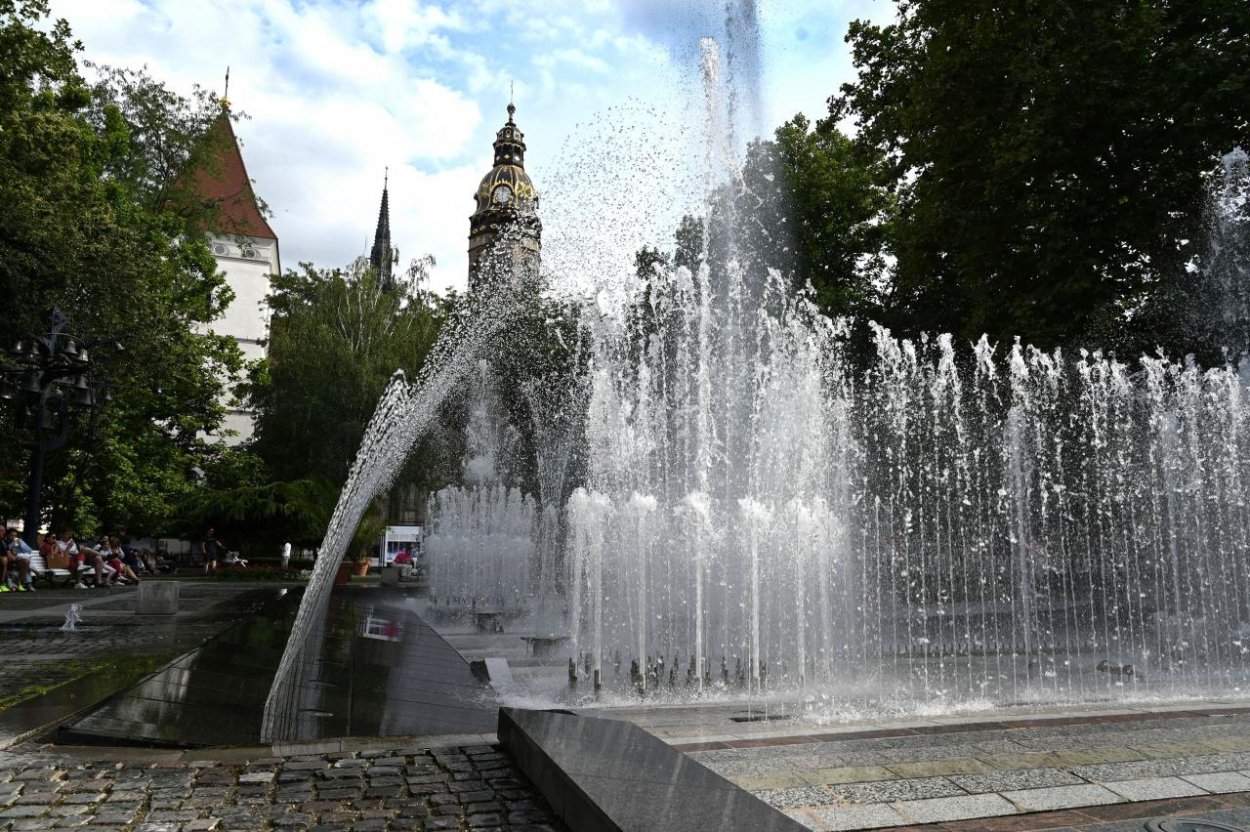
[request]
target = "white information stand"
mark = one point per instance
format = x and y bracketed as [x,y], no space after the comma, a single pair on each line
[400,537]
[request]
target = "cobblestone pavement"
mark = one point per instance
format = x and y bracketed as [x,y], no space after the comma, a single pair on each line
[461,788]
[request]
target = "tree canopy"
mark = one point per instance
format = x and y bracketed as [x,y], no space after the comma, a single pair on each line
[336,338]
[82,231]
[1049,159]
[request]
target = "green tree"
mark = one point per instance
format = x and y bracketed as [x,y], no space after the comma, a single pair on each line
[838,214]
[336,338]
[1049,158]
[76,234]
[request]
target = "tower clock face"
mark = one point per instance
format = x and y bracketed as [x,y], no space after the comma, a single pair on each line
[502,195]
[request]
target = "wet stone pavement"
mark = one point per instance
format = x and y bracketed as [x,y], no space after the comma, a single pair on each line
[461,788]
[38,652]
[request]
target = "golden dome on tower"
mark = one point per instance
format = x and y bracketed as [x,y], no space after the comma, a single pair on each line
[507,186]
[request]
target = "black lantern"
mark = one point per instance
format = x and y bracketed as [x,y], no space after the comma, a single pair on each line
[50,375]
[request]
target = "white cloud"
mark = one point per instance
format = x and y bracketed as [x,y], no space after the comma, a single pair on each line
[339,90]
[403,24]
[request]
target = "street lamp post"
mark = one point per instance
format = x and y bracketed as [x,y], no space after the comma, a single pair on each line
[50,376]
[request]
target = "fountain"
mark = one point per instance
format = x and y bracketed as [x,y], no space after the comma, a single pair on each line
[956,525]
[775,513]
[479,547]
[73,617]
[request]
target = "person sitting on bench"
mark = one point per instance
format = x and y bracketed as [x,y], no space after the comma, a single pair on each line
[81,557]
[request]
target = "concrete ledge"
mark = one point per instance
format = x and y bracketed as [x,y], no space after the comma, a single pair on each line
[604,775]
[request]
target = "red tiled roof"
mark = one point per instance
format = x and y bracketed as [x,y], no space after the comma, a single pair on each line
[225,182]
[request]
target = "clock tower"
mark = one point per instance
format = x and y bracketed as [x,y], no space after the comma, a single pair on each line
[504,231]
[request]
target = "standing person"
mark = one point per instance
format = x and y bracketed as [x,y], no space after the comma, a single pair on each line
[213,549]
[286,555]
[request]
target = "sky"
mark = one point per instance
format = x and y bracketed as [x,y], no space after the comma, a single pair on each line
[608,93]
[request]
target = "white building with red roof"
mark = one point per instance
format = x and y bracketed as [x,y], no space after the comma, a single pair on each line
[246,250]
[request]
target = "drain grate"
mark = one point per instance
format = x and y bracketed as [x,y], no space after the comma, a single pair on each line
[763,718]
[1190,825]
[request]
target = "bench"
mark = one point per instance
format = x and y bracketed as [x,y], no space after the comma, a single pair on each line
[40,571]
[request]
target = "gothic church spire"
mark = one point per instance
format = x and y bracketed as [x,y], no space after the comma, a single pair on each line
[382,257]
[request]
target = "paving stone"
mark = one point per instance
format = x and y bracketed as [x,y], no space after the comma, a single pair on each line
[32,794]
[385,777]
[370,825]
[886,791]
[173,817]
[999,781]
[437,824]
[257,777]
[118,818]
[426,778]
[1154,788]
[338,794]
[404,824]
[942,809]
[1220,782]
[1157,768]
[1061,797]
[28,824]
[342,819]
[852,817]
[84,797]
